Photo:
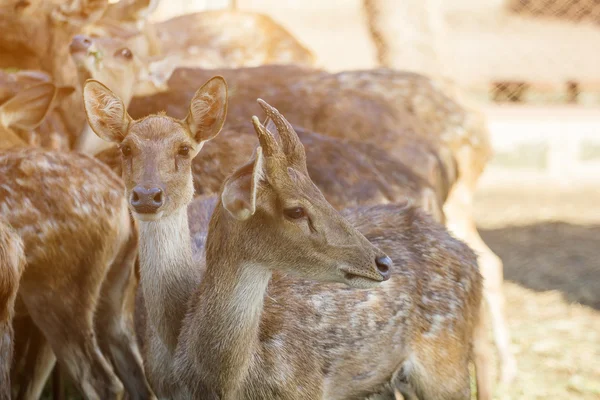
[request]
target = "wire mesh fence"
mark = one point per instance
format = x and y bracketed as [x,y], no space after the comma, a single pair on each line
[550,56]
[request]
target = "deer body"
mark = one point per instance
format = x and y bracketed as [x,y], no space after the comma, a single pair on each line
[272,221]
[12,262]
[220,39]
[80,246]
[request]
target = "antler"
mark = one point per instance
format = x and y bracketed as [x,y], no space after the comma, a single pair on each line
[289,139]
[265,138]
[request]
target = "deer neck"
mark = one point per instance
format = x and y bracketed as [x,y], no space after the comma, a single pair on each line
[231,297]
[168,273]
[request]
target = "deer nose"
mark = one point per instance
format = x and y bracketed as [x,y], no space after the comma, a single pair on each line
[80,43]
[384,265]
[146,200]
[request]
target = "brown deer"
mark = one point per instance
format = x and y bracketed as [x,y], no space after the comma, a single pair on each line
[12,262]
[271,335]
[78,283]
[399,111]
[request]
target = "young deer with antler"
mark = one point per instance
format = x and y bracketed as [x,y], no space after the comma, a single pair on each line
[12,262]
[80,245]
[236,326]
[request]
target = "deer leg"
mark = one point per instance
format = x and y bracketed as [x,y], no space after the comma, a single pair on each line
[6,349]
[482,354]
[492,271]
[460,221]
[12,263]
[64,313]
[37,366]
[114,323]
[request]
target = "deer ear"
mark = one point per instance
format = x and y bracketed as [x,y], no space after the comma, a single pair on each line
[27,109]
[105,112]
[154,76]
[208,110]
[240,189]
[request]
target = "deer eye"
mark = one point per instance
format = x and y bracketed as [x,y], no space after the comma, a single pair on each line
[294,213]
[126,151]
[184,151]
[125,53]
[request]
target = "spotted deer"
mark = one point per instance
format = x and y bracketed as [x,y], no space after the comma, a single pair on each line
[268,278]
[78,284]
[12,262]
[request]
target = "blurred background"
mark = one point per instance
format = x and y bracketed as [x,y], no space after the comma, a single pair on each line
[533,68]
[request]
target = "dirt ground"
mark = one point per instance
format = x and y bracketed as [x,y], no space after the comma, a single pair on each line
[549,241]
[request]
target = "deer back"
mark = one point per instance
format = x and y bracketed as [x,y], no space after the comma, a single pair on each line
[224,38]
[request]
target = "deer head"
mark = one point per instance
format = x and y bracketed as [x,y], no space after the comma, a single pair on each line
[273,198]
[157,151]
[110,61]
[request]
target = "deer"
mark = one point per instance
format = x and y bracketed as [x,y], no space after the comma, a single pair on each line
[281,323]
[12,262]
[78,283]
[405,113]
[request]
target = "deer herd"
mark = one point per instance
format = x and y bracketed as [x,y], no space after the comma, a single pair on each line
[163,242]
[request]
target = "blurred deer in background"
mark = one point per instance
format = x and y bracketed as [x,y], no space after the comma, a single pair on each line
[418,47]
[12,262]
[301,339]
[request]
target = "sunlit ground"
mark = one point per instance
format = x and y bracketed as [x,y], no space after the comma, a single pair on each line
[549,241]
